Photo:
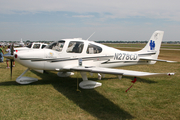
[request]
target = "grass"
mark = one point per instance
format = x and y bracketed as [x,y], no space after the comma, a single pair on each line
[56,98]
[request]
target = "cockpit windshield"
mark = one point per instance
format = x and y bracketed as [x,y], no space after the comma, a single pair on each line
[58,46]
[29,46]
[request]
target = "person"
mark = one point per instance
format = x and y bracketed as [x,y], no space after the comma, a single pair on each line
[1,54]
[7,60]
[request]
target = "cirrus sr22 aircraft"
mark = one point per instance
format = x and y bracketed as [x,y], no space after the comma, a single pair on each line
[68,55]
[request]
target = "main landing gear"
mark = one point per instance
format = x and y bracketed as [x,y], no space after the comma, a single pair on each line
[88,84]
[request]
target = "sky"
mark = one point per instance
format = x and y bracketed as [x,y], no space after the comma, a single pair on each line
[110,19]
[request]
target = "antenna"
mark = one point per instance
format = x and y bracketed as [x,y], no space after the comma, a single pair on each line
[90,36]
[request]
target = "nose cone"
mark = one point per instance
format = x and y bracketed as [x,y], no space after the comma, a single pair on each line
[27,58]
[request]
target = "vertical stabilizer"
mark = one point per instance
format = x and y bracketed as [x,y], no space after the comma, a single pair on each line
[153,45]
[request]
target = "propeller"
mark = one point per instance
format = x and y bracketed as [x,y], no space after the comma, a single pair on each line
[11,60]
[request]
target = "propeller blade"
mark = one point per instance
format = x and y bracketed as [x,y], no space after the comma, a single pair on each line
[11,68]
[12,49]
[12,52]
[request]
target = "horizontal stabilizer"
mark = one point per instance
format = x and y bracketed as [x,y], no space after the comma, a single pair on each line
[150,59]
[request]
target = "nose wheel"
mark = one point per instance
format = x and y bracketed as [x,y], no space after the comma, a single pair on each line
[25,80]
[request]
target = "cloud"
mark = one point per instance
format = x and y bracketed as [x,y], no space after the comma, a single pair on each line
[112,20]
[83,16]
[161,9]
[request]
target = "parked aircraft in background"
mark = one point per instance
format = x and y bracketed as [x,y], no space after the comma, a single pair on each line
[20,44]
[68,55]
[33,45]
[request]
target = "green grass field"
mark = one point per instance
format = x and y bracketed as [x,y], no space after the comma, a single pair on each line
[56,98]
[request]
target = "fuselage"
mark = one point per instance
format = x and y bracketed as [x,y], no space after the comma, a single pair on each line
[68,52]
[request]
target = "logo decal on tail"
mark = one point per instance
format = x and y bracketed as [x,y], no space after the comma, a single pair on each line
[152,45]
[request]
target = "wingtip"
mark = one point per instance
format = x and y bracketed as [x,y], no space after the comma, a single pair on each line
[170,74]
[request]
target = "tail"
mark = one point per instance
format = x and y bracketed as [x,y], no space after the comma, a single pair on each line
[152,48]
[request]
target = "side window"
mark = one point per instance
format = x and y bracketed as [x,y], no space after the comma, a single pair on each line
[93,49]
[75,47]
[36,46]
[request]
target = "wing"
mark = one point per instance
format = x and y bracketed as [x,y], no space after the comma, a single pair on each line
[114,71]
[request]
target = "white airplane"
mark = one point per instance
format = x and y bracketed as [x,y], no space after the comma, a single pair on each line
[33,45]
[68,55]
[20,44]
